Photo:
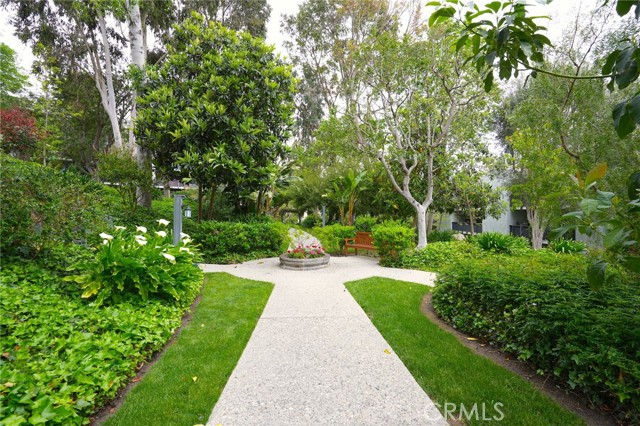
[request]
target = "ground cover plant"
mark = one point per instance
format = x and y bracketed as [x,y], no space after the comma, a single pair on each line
[63,357]
[541,308]
[197,366]
[459,377]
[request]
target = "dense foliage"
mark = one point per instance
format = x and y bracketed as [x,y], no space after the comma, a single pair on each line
[441,236]
[542,309]
[42,207]
[391,238]
[220,107]
[233,242]
[332,236]
[63,357]
[19,133]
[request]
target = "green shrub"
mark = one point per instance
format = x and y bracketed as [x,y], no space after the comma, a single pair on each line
[391,238]
[365,223]
[232,242]
[500,243]
[41,206]
[437,255]
[64,357]
[311,221]
[440,236]
[567,246]
[541,308]
[332,236]
[143,263]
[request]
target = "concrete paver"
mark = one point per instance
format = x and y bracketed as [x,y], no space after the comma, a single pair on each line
[315,358]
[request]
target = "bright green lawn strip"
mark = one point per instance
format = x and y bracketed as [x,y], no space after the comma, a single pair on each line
[447,370]
[208,348]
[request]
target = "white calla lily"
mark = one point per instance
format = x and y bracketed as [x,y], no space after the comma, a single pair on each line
[106,236]
[120,228]
[183,236]
[141,229]
[161,233]
[163,222]
[169,257]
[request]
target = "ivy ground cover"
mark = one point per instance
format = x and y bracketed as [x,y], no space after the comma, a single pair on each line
[62,357]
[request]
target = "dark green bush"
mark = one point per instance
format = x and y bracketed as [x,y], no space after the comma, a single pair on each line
[332,236]
[311,221]
[500,243]
[63,357]
[365,223]
[440,236]
[541,308]
[437,255]
[41,206]
[391,238]
[567,246]
[231,242]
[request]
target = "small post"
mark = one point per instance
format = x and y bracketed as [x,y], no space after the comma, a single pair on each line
[324,216]
[177,218]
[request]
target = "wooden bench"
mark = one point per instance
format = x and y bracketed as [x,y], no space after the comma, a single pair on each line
[362,240]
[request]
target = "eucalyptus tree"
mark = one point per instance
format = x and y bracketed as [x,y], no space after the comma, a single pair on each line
[420,98]
[504,38]
[241,15]
[12,80]
[221,104]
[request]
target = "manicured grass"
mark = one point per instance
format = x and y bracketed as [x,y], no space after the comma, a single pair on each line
[449,372]
[184,385]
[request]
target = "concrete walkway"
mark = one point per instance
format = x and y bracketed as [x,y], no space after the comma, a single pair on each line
[315,358]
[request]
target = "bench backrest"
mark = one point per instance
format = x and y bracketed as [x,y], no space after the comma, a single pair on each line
[364,238]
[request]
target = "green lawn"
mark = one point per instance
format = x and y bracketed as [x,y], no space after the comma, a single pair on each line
[184,385]
[449,372]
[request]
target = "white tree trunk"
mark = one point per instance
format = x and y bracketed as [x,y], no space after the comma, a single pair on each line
[537,230]
[104,82]
[421,219]
[137,41]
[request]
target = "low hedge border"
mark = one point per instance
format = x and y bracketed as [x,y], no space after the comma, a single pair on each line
[541,308]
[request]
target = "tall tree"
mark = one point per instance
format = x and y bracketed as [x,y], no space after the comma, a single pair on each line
[12,80]
[222,102]
[418,95]
[240,15]
[539,179]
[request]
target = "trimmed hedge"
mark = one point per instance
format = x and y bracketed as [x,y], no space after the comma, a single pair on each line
[391,238]
[541,308]
[233,242]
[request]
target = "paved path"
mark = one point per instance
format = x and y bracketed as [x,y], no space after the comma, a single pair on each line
[315,358]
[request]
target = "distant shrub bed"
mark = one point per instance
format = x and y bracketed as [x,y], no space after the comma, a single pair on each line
[440,236]
[64,357]
[332,236]
[233,242]
[540,307]
[437,255]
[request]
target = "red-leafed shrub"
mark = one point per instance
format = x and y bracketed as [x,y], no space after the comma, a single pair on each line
[19,132]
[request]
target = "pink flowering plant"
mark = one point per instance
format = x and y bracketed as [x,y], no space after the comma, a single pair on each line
[306,251]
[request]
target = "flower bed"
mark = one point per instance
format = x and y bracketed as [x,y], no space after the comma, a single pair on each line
[305,257]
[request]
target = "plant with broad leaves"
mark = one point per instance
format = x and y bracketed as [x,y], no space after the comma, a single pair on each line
[616,221]
[503,37]
[143,263]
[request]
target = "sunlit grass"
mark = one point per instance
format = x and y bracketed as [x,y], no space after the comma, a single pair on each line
[185,383]
[449,372]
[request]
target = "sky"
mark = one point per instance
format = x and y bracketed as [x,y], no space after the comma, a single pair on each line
[562,12]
